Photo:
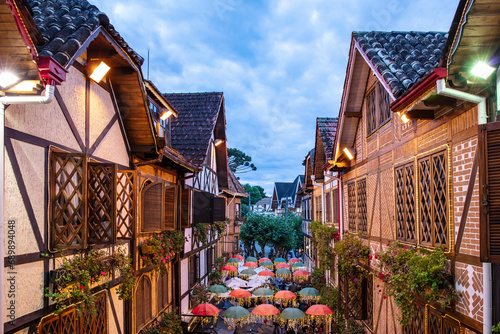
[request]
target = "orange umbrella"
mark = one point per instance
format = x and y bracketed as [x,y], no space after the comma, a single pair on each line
[319,309]
[286,298]
[240,293]
[239,257]
[294,260]
[266,273]
[282,265]
[264,259]
[265,312]
[250,265]
[301,273]
[205,309]
[230,270]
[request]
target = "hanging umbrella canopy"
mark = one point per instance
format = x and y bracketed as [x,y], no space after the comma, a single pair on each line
[279,260]
[240,293]
[309,294]
[248,272]
[285,294]
[236,315]
[266,273]
[292,313]
[239,257]
[265,310]
[301,276]
[217,289]
[298,265]
[301,273]
[229,268]
[205,310]
[233,260]
[250,265]
[263,292]
[282,265]
[294,260]
[251,259]
[283,272]
[319,309]
[267,264]
[264,259]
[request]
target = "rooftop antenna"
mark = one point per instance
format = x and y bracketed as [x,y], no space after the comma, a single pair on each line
[148,63]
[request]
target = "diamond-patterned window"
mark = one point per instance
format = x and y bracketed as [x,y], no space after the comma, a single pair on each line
[405,202]
[417,323]
[351,201]
[362,210]
[433,199]
[378,112]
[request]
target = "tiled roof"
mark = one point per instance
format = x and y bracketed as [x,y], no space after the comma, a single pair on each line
[312,156]
[402,58]
[282,189]
[66,24]
[264,201]
[327,128]
[193,128]
[235,186]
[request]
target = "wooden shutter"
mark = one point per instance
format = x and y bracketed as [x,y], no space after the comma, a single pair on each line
[193,270]
[328,207]
[152,207]
[125,204]
[362,210]
[102,203]
[140,318]
[351,200]
[202,207]
[219,209]
[170,206]
[68,189]
[163,284]
[185,208]
[489,190]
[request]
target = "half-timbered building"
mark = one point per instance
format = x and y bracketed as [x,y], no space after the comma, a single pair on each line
[286,196]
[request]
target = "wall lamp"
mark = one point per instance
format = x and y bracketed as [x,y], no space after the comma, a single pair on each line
[218,142]
[8,79]
[166,114]
[482,70]
[349,154]
[99,72]
[405,118]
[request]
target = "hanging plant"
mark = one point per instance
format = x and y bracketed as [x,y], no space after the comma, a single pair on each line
[74,280]
[199,295]
[219,227]
[409,272]
[350,253]
[160,249]
[200,232]
[322,237]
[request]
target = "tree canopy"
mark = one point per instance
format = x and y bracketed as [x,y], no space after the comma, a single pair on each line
[239,162]
[256,193]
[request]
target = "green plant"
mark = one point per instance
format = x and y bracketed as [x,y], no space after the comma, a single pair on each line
[199,295]
[159,249]
[123,263]
[318,279]
[219,227]
[322,237]
[496,328]
[215,276]
[200,232]
[169,323]
[349,251]
[409,272]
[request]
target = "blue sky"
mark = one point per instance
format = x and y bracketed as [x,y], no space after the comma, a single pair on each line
[279,63]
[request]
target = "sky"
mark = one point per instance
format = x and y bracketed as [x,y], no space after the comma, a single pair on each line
[280,63]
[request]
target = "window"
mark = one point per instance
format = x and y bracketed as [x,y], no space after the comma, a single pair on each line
[193,270]
[351,202]
[417,323]
[377,108]
[405,203]
[142,298]
[237,210]
[319,213]
[162,126]
[328,207]
[335,210]
[152,207]
[236,242]
[362,211]
[163,293]
[433,199]
[91,203]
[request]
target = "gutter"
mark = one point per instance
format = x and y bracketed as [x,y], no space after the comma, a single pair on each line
[7,100]
[482,116]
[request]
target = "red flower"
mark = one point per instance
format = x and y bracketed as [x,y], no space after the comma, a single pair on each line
[82,287]
[369,257]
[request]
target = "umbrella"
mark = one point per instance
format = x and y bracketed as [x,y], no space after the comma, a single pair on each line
[265,312]
[292,317]
[264,259]
[294,260]
[284,273]
[251,259]
[241,295]
[263,292]
[286,298]
[266,273]
[217,289]
[206,310]
[245,273]
[279,260]
[297,266]
[319,313]
[239,257]
[230,270]
[267,264]
[301,276]
[282,265]
[236,315]
[309,294]
[233,260]
[250,265]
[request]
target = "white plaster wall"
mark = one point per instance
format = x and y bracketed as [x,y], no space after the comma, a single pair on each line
[119,307]
[113,147]
[188,233]
[73,93]
[184,285]
[28,288]
[31,161]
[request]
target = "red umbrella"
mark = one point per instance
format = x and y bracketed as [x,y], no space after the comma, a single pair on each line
[240,293]
[285,294]
[293,260]
[229,268]
[266,273]
[264,259]
[250,265]
[319,309]
[282,265]
[239,257]
[265,310]
[206,309]
[301,273]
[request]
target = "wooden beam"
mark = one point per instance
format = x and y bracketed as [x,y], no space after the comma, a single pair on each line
[357,114]
[69,119]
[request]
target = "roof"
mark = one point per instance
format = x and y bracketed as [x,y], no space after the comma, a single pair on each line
[282,189]
[66,25]
[235,187]
[264,201]
[327,127]
[193,128]
[401,58]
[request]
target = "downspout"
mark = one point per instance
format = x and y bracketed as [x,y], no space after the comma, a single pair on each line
[322,197]
[482,116]
[6,100]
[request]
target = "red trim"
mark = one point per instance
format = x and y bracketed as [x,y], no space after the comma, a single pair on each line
[51,70]
[424,85]
[22,29]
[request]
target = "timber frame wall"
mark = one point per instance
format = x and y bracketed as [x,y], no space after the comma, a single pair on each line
[395,153]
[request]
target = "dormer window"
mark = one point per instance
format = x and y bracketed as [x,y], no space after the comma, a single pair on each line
[377,109]
[162,125]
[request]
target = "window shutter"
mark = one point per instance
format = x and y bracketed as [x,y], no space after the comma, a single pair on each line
[102,203]
[162,291]
[68,189]
[192,271]
[185,208]
[125,204]
[139,305]
[489,189]
[219,209]
[328,208]
[170,207]
[147,300]
[202,207]
[152,207]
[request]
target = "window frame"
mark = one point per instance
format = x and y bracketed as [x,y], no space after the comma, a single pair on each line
[402,196]
[161,206]
[376,98]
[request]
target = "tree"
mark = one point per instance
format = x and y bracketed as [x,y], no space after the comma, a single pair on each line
[256,193]
[239,162]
